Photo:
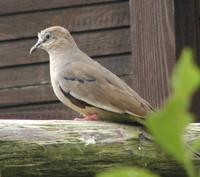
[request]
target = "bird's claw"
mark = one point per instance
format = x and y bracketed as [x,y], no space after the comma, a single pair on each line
[92,117]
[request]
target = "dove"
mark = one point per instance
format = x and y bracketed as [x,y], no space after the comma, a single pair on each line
[84,85]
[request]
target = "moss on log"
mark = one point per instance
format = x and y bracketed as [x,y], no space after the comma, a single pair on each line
[30,148]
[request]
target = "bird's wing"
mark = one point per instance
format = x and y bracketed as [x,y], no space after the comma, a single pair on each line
[96,86]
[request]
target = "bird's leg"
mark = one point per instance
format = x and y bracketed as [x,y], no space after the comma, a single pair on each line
[91,117]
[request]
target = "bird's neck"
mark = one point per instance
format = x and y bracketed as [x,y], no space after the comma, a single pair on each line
[59,49]
[61,56]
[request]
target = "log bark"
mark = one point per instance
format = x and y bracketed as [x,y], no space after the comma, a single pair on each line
[30,148]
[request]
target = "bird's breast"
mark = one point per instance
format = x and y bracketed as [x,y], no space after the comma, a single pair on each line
[59,94]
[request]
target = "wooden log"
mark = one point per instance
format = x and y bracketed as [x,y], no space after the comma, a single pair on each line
[77,148]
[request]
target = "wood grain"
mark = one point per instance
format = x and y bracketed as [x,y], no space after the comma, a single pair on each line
[187,35]
[39,74]
[25,89]
[27,95]
[74,19]
[197,17]
[39,111]
[33,94]
[196,98]
[11,6]
[96,43]
[60,148]
[185,23]
[153,47]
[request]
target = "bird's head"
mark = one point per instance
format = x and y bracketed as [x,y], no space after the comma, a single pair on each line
[53,38]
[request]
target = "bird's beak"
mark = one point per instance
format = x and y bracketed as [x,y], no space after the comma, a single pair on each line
[36,46]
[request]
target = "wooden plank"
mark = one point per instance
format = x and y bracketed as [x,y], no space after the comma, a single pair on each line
[96,43]
[197,17]
[26,95]
[11,6]
[185,25]
[153,47]
[40,111]
[33,94]
[39,74]
[196,98]
[74,19]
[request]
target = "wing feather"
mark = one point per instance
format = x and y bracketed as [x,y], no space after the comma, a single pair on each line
[97,86]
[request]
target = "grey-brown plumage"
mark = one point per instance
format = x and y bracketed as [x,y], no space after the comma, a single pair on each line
[86,86]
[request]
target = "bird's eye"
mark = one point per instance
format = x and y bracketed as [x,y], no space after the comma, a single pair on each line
[47,36]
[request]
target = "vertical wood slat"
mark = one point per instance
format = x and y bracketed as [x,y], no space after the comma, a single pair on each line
[196,98]
[197,10]
[153,47]
[187,34]
[185,25]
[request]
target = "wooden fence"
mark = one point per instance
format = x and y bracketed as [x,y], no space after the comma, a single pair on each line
[139,40]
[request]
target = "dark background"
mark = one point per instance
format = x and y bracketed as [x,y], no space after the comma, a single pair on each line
[139,41]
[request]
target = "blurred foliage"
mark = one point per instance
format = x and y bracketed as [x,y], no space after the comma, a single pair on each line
[127,172]
[168,124]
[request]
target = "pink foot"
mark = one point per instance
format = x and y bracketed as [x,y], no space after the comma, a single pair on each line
[92,117]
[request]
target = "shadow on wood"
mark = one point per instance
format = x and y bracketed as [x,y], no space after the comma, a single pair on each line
[30,148]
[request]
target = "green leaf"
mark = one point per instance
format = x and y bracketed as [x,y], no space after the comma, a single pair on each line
[186,78]
[196,146]
[168,125]
[126,172]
